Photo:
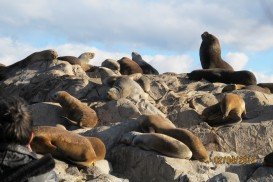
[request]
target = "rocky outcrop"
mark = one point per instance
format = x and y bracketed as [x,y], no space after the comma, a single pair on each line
[170,95]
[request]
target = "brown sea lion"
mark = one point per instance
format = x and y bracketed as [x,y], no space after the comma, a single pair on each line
[224,76]
[158,142]
[268,160]
[165,127]
[146,67]
[210,53]
[229,111]
[76,111]
[266,85]
[257,88]
[67,145]
[128,66]
[45,55]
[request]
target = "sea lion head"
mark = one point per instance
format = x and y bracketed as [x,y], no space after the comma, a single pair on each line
[208,37]
[128,138]
[59,95]
[114,94]
[49,54]
[136,56]
[87,55]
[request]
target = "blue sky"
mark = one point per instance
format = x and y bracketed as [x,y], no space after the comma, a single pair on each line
[166,33]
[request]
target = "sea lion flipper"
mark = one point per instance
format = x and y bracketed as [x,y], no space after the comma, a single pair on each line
[69,120]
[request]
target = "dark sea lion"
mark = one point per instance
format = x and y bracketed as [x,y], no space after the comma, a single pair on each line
[148,122]
[210,53]
[257,88]
[224,76]
[229,111]
[268,160]
[128,66]
[68,146]
[158,142]
[146,67]
[266,85]
[76,111]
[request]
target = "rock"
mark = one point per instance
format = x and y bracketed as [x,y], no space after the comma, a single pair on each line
[111,135]
[121,110]
[47,114]
[225,177]
[264,174]
[241,138]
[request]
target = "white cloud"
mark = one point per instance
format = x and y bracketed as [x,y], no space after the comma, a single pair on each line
[172,63]
[237,60]
[263,77]
[164,25]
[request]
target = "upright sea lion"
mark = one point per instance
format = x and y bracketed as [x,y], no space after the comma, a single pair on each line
[210,53]
[82,60]
[266,85]
[232,87]
[268,160]
[67,145]
[158,142]
[230,110]
[146,67]
[76,111]
[111,64]
[45,55]
[128,66]
[193,142]
[224,76]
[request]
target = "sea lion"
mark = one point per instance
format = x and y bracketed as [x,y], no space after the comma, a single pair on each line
[148,122]
[82,60]
[76,111]
[257,88]
[229,111]
[210,53]
[266,85]
[67,145]
[45,55]
[146,67]
[128,66]
[158,142]
[268,160]
[224,76]
[124,87]
[111,64]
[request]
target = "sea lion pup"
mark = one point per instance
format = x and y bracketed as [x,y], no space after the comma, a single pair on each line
[210,53]
[232,87]
[76,112]
[158,142]
[268,160]
[111,64]
[67,145]
[266,85]
[161,126]
[224,76]
[146,67]
[82,60]
[229,111]
[128,66]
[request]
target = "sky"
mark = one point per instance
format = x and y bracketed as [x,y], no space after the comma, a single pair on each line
[167,33]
